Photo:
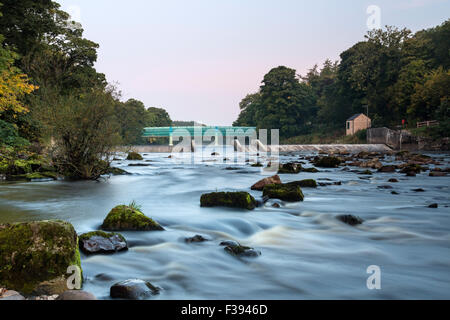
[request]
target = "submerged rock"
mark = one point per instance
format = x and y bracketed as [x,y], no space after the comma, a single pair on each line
[290,168]
[327,184]
[374,164]
[350,219]
[102,242]
[433,206]
[229,243]
[238,250]
[418,190]
[133,289]
[308,183]
[438,174]
[134,156]
[76,295]
[310,170]
[228,199]
[285,192]
[125,218]
[393,180]
[327,162]
[195,239]
[387,187]
[34,256]
[139,165]
[276,205]
[264,182]
[10,295]
[387,169]
[117,171]
[412,168]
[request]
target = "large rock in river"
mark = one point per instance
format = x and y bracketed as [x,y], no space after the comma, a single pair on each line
[327,162]
[228,199]
[264,182]
[126,218]
[285,192]
[290,168]
[102,242]
[35,256]
[134,156]
[134,289]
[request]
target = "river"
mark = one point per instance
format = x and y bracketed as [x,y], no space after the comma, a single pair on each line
[306,252]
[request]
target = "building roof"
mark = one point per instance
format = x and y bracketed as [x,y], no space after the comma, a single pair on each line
[356,116]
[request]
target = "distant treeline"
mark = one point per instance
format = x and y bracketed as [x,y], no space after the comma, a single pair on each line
[396,74]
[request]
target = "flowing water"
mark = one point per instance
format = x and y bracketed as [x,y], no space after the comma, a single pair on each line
[306,252]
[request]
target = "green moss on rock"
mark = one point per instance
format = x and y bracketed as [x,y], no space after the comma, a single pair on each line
[285,192]
[228,199]
[134,156]
[87,236]
[125,218]
[34,256]
[308,183]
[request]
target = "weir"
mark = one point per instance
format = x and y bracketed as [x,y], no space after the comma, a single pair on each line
[234,135]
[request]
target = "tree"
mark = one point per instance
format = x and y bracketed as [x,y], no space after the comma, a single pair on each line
[158,117]
[431,98]
[249,106]
[83,129]
[14,84]
[286,104]
[132,118]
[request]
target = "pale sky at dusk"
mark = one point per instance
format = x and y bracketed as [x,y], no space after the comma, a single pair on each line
[199,58]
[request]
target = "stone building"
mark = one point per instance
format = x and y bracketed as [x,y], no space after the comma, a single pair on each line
[358,122]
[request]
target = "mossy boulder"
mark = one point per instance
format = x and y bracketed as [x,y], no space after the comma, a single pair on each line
[102,242]
[327,162]
[290,168]
[285,192]
[125,218]
[228,199]
[134,156]
[34,256]
[308,183]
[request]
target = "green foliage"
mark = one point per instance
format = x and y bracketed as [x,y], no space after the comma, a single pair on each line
[133,205]
[9,135]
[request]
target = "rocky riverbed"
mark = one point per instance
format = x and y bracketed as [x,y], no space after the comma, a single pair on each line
[309,232]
